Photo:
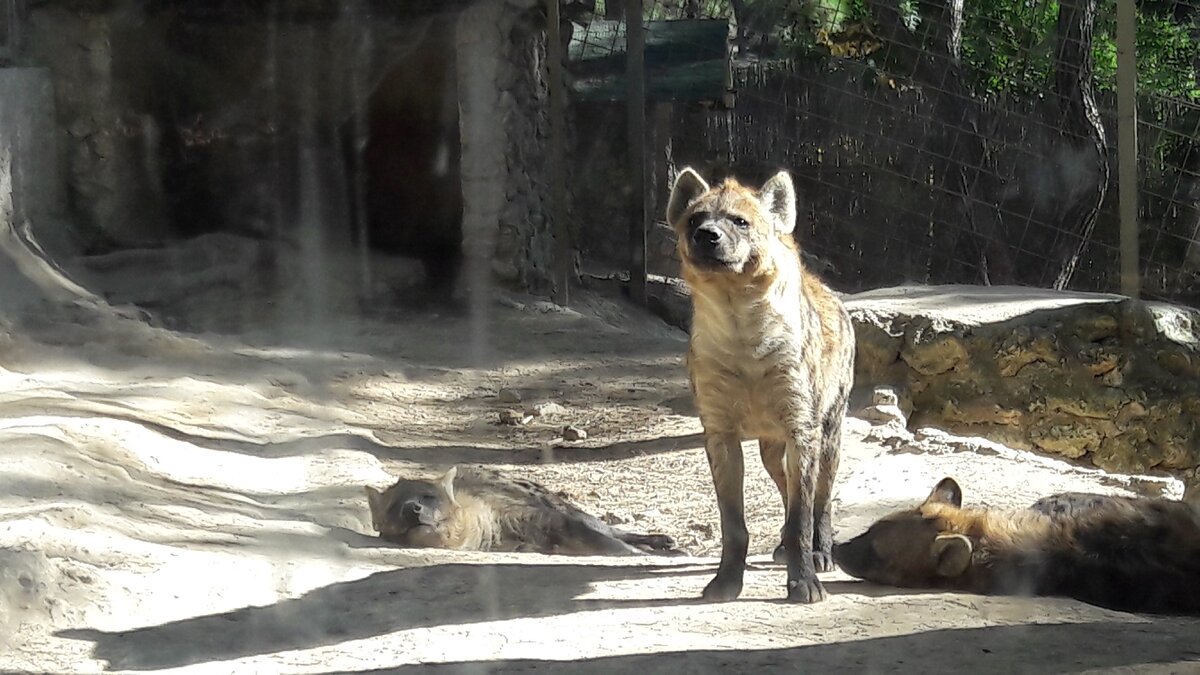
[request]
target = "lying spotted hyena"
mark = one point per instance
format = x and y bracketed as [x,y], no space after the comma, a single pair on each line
[771,357]
[478,509]
[1123,553]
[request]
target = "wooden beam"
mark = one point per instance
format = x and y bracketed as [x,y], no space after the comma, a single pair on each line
[558,181]
[1127,147]
[635,66]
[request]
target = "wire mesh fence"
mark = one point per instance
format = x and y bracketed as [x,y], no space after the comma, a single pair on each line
[936,141]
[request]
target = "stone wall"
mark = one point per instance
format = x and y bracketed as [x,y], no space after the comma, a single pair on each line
[1096,378]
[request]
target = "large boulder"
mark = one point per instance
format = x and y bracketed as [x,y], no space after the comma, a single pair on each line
[1095,377]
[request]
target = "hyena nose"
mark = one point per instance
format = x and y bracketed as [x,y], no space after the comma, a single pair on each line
[707,236]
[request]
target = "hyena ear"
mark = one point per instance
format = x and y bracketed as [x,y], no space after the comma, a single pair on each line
[778,197]
[688,186]
[446,482]
[945,492]
[953,554]
[374,500]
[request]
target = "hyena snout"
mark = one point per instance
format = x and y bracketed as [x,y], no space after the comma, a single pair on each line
[708,238]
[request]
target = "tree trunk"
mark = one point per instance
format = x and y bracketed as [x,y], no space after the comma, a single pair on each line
[1078,121]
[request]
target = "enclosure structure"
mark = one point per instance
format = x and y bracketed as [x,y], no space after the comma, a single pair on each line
[417,128]
[942,142]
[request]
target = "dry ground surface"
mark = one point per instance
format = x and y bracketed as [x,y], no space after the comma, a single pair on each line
[192,501]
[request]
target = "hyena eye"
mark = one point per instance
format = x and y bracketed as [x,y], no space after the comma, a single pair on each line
[739,221]
[697,219]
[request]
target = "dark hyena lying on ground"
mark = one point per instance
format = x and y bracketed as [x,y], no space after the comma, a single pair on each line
[1118,552]
[477,509]
[771,357]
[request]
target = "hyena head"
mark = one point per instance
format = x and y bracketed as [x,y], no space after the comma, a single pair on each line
[415,513]
[730,228]
[911,547]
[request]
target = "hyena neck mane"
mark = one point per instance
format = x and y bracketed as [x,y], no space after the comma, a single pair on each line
[747,309]
[473,527]
[1141,560]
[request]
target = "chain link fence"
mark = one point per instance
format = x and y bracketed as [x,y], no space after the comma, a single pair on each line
[944,142]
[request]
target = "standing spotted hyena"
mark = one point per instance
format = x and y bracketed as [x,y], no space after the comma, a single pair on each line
[771,357]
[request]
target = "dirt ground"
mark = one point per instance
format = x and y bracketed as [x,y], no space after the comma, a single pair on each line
[192,501]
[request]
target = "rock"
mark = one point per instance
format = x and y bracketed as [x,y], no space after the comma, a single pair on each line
[885,396]
[516,418]
[547,409]
[1098,378]
[933,354]
[1130,452]
[508,396]
[1064,435]
[573,433]
[883,415]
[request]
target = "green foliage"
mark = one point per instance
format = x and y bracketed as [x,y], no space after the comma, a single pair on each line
[1007,45]
[1167,52]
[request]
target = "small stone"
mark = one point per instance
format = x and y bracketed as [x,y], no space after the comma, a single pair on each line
[547,409]
[508,396]
[890,415]
[885,396]
[516,418]
[573,433]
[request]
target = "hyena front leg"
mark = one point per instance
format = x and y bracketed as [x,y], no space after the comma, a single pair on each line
[725,460]
[800,463]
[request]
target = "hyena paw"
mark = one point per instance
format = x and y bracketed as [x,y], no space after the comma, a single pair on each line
[722,589]
[822,561]
[806,590]
[658,542]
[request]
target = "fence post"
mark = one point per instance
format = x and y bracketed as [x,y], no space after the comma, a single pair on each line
[558,181]
[636,99]
[1127,148]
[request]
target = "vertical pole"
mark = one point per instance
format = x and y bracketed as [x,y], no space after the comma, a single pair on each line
[635,69]
[1127,148]
[558,180]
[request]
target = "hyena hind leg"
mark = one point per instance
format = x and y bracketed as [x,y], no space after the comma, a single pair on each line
[772,458]
[831,447]
[658,543]
[771,452]
[583,538]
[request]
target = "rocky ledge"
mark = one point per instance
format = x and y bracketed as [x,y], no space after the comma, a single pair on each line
[1100,378]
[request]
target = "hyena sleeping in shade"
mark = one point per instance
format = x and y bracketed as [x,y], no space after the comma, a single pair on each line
[478,509]
[771,357]
[1123,553]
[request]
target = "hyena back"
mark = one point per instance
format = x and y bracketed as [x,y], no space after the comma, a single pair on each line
[1131,554]
[771,357]
[482,510]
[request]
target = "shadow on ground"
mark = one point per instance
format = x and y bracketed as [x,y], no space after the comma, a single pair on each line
[1027,648]
[379,604]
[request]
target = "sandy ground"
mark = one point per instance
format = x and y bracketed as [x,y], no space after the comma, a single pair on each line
[193,502]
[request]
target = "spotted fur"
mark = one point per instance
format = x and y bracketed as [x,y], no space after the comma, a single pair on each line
[478,509]
[771,357]
[1123,553]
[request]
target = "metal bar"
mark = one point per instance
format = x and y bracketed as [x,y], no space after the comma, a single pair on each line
[635,41]
[1127,148]
[558,180]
